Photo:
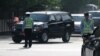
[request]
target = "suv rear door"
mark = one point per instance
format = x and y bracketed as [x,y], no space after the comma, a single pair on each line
[52,26]
[68,22]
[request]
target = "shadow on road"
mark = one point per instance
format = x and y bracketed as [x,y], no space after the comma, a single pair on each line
[3,37]
[44,43]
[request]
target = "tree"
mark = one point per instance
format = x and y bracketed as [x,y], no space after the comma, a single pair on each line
[54,4]
[19,7]
[72,5]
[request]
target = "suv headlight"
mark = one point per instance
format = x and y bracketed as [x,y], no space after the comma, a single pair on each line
[37,28]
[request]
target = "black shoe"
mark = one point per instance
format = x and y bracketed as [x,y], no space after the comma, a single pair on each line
[29,46]
[25,46]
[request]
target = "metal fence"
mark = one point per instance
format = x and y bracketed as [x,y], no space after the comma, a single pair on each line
[4,25]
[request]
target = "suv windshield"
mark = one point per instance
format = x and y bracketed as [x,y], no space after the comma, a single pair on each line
[95,14]
[39,17]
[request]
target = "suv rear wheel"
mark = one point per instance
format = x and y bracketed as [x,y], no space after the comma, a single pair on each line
[43,38]
[96,53]
[16,39]
[66,37]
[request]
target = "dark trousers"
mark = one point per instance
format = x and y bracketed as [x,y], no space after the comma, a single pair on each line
[28,37]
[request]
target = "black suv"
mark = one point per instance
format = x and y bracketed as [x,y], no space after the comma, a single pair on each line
[47,24]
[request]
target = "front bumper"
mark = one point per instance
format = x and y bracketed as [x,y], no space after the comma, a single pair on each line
[18,33]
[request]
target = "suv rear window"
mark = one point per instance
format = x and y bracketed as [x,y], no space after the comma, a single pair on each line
[39,17]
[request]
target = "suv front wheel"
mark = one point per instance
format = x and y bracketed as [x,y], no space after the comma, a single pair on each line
[66,37]
[43,38]
[16,39]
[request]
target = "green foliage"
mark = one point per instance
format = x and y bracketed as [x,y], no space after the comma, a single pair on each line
[77,5]
[21,6]
[72,5]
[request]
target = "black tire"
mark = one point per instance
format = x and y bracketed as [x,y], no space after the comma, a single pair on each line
[17,39]
[96,53]
[66,37]
[83,51]
[43,38]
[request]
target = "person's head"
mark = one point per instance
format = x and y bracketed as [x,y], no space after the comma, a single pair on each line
[86,15]
[27,15]
[16,18]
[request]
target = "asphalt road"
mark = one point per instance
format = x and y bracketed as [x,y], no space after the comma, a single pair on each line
[55,47]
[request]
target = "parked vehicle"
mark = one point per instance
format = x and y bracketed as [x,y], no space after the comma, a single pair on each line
[47,24]
[96,17]
[77,21]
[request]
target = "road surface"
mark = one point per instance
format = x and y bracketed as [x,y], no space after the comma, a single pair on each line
[55,47]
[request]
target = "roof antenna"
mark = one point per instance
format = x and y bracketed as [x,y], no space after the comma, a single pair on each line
[46,8]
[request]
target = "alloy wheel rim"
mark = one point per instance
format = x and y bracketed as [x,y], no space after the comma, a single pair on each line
[44,37]
[67,36]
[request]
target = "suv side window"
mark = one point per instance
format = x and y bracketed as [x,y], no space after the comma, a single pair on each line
[65,17]
[52,18]
[58,17]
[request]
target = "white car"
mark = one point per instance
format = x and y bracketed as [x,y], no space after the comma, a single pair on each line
[77,21]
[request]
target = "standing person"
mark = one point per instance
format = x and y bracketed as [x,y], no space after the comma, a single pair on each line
[28,24]
[87,25]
